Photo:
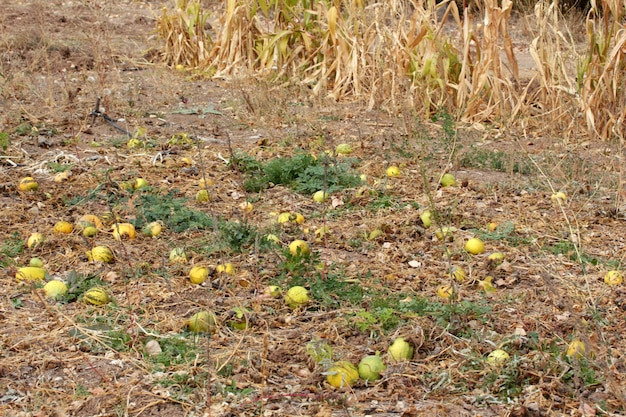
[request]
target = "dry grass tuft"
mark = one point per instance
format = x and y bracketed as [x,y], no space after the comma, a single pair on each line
[183,32]
[603,70]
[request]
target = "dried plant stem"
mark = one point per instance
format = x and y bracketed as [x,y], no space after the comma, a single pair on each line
[573,230]
[385,54]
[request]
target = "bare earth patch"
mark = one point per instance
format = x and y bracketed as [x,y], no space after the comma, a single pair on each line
[67,358]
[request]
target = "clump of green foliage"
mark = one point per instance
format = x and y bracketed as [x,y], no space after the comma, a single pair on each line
[383,312]
[237,235]
[494,160]
[175,350]
[330,289]
[172,211]
[11,247]
[303,172]
[58,167]
[5,140]
[79,284]
[505,232]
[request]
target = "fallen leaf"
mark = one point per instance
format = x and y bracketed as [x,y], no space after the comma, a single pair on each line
[587,410]
[97,391]
[111,276]
[519,331]
[486,285]
[562,317]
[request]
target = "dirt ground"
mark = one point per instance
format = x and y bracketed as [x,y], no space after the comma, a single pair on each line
[67,358]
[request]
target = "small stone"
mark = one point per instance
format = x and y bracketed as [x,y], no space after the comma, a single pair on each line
[153,348]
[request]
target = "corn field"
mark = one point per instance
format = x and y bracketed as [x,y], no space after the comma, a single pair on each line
[420,57]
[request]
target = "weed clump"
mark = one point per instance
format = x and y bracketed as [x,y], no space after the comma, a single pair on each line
[172,210]
[303,172]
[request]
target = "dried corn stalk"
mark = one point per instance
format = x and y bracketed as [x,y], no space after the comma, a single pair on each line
[387,52]
[183,32]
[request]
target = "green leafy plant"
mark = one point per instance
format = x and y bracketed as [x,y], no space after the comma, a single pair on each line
[302,172]
[585,371]
[11,247]
[5,140]
[329,290]
[295,269]
[103,330]
[254,184]
[568,249]
[57,167]
[505,232]
[448,125]
[507,381]
[172,211]
[232,235]
[81,392]
[78,284]
[227,370]
[336,176]
[385,311]
[384,201]
[403,149]
[234,389]
[335,292]
[175,350]
[106,192]
[116,340]
[238,235]
[494,160]
[246,163]
[376,321]
[459,314]
[180,385]
[181,139]
[24,129]
[286,171]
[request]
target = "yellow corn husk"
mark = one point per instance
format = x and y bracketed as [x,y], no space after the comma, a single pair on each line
[331,16]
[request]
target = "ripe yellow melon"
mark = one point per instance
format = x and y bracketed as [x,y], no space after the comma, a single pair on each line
[297,296]
[54,289]
[34,240]
[102,254]
[299,247]
[28,184]
[202,321]
[342,374]
[30,273]
[198,274]
[63,227]
[475,246]
[123,230]
[96,297]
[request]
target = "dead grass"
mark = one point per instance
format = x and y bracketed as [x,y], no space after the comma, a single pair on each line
[399,53]
[65,357]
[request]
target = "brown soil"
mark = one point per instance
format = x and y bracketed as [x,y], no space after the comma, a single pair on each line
[70,359]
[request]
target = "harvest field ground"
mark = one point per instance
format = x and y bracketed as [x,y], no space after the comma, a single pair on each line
[97,109]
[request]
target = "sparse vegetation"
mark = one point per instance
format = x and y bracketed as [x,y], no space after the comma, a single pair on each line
[173,211]
[303,172]
[11,247]
[297,184]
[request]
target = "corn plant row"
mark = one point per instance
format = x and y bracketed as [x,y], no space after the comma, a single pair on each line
[434,54]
